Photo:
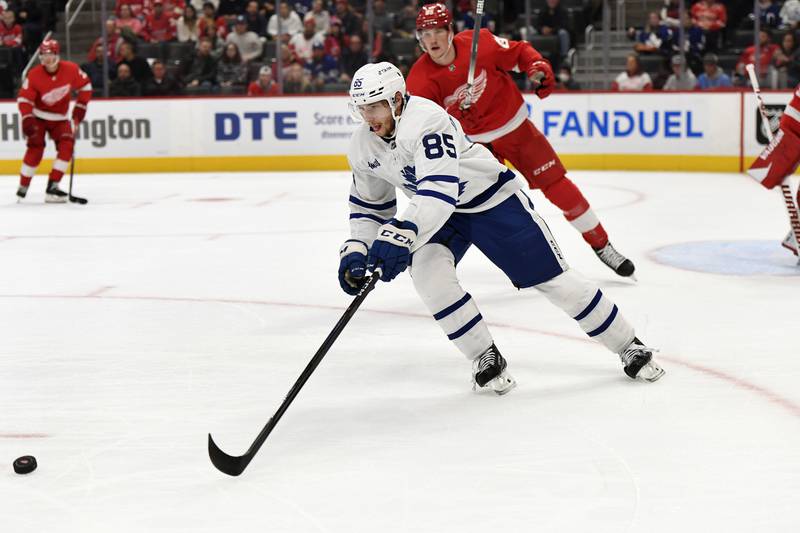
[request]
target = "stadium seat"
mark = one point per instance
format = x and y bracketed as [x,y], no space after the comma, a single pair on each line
[178,53]
[270,48]
[548,46]
[403,49]
[149,50]
[652,63]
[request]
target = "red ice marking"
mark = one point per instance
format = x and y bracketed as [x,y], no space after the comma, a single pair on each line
[272,199]
[740,383]
[150,202]
[212,199]
[24,436]
[99,291]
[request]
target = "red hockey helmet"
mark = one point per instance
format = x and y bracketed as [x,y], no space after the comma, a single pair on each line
[434,16]
[49,46]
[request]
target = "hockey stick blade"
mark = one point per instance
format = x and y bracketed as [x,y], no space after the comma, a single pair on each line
[233,465]
[78,200]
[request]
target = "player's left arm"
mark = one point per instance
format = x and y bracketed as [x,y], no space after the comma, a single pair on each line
[520,56]
[83,86]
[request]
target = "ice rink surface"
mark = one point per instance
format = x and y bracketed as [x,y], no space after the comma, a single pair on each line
[172,306]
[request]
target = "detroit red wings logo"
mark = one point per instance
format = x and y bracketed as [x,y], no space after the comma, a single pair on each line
[54,96]
[460,94]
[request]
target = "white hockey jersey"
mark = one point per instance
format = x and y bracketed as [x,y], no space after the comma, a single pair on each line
[433,163]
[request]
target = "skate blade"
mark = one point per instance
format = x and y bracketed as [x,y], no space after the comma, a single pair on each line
[502,384]
[650,372]
[55,200]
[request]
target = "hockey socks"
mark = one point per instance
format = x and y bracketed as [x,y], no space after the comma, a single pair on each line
[567,197]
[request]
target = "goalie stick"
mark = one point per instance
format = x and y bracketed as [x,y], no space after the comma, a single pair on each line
[235,465]
[786,191]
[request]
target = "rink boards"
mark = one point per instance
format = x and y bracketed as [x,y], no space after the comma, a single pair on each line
[692,131]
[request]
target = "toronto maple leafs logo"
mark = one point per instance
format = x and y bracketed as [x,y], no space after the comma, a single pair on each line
[374,164]
[462,186]
[56,95]
[410,176]
[460,94]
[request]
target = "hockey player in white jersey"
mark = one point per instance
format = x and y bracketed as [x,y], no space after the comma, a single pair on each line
[459,195]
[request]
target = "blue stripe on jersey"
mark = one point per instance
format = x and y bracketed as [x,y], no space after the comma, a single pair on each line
[589,308]
[435,194]
[468,326]
[440,178]
[604,326]
[452,308]
[377,219]
[505,176]
[377,207]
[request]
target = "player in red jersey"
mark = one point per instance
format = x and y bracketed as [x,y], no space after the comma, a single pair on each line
[43,103]
[497,115]
[780,159]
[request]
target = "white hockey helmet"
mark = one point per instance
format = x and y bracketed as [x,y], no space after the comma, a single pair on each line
[375,82]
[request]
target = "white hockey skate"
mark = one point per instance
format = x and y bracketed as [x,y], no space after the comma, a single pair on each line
[637,360]
[790,242]
[617,262]
[489,372]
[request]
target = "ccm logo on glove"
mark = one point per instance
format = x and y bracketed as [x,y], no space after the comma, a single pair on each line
[401,237]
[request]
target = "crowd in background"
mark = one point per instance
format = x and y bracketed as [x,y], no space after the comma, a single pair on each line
[718,43]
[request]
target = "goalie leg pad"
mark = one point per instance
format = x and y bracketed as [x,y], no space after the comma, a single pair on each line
[433,270]
[778,160]
[594,312]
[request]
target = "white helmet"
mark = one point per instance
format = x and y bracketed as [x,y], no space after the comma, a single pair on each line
[375,82]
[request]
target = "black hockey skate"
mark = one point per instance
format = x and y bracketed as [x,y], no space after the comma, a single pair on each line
[22,192]
[616,261]
[54,195]
[489,371]
[638,362]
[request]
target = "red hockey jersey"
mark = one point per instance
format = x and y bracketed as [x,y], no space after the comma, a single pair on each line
[497,106]
[47,96]
[10,36]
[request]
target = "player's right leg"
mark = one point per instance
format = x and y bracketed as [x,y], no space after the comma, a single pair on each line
[532,155]
[433,269]
[31,159]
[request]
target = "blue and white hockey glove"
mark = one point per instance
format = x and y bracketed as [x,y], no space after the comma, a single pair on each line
[391,250]
[352,266]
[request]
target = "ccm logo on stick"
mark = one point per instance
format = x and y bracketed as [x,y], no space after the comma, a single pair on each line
[228,126]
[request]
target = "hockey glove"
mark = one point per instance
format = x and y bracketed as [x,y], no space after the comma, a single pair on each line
[78,113]
[29,126]
[391,250]
[541,74]
[352,266]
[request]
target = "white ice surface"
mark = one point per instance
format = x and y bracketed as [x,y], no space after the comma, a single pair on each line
[172,306]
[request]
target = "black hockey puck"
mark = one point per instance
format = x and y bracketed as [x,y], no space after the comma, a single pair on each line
[25,464]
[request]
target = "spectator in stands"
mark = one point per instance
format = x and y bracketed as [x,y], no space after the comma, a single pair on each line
[136,7]
[248,43]
[553,21]
[467,19]
[671,13]
[353,58]
[127,21]
[351,23]
[321,16]
[303,43]
[159,26]
[94,68]
[322,68]
[695,45]
[654,38]
[29,16]
[209,19]
[139,68]
[202,71]
[565,81]
[173,8]
[230,8]
[231,70]
[124,84]
[217,42]
[682,78]
[264,85]
[383,21]
[711,17]
[290,23]
[405,24]
[334,40]
[767,50]
[770,13]
[790,14]
[787,62]
[256,22]
[113,39]
[633,78]
[296,80]
[161,84]
[11,34]
[713,77]
[187,28]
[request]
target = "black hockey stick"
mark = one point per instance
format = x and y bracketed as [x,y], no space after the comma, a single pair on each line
[235,465]
[786,191]
[473,54]
[72,198]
